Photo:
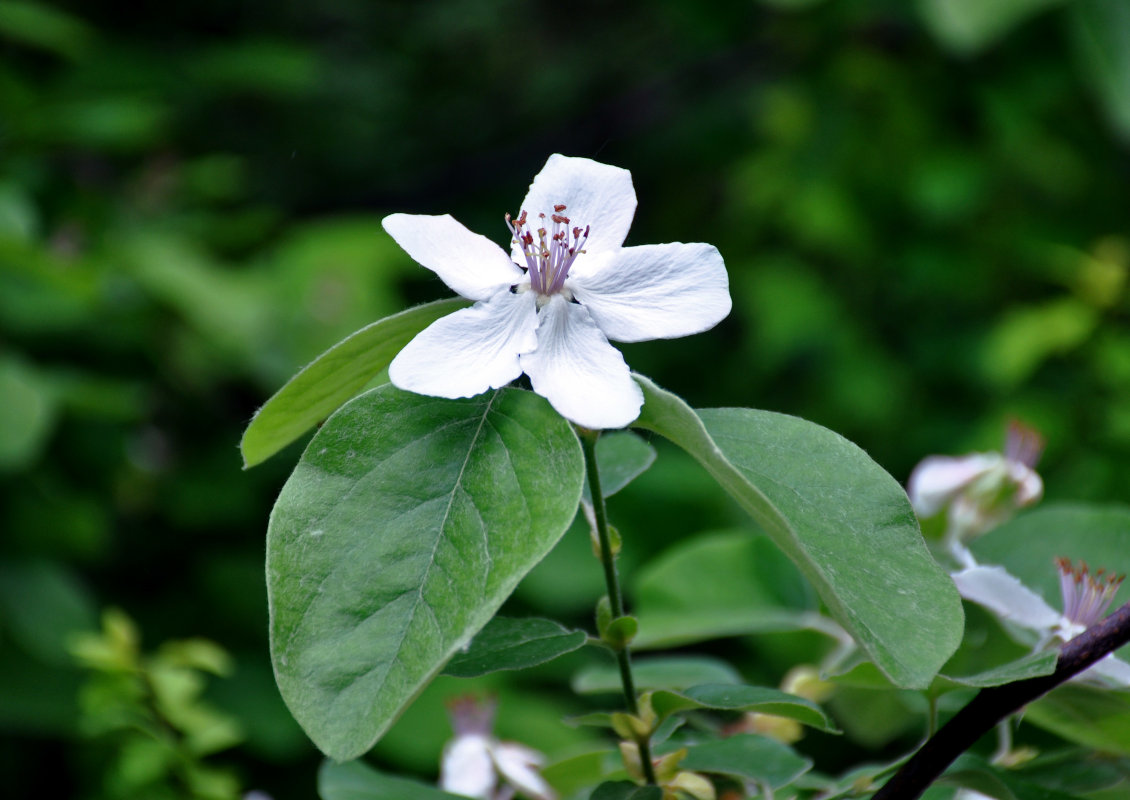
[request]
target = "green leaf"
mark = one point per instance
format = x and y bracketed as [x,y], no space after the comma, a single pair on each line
[625,790]
[728,697]
[966,26]
[406,524]
[43,604]
[843,521]
[752,588]
[28,416]
[674,672]
[334,377]
[1028,545]
[354,780]
[1097,718]
[622,456]
[1099,28]
[514,644]
[748,756]
[1030,666]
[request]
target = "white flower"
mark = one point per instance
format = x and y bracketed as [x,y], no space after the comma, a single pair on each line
[474,760]
[1086,597]
[550,306]
[978,491]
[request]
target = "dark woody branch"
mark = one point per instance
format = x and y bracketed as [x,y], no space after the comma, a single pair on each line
[992,705]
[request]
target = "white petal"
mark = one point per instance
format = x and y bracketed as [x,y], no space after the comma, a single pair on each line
[657,291]
[467,768]
[1113,669]
[1029,487]
[936,479]
[470,351]
[595,195]
[517,764]
[472,265]
[578,371]
[1008,598]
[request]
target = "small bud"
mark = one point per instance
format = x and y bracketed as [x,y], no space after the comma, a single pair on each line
[667,766]
[630,753]
[693,784]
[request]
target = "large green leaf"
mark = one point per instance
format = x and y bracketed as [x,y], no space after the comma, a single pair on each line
[357,781]
[753,757]
[752,588]
[405,525]
[1028,545]
[507,643]
[334,377]
[839,516]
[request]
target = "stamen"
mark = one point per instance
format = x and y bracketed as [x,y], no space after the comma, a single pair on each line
[1086,596]
[548,262]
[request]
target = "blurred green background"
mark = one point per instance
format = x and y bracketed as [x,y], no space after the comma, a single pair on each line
[923,208]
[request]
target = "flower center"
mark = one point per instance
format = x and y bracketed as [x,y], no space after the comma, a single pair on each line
[1086,596]
[549,256]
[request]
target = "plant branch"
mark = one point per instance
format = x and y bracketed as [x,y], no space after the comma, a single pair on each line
[994,704]
[615,596]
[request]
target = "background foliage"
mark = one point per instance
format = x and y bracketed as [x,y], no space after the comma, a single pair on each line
[922,207]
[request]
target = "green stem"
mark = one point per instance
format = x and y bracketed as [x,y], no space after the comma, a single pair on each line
[615,597]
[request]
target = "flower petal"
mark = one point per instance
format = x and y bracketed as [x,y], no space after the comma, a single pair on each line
[467,768]
[472,265]
[1004,595]
[936,479]
[578,371]
[1029,486]
[470,351]
[1113,669]
[595,195]
[516,763]
[657,291]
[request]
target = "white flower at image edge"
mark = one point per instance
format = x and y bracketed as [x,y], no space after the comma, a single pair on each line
[549,307]
[1086,598]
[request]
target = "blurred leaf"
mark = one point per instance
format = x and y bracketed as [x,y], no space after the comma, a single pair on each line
[625,790]
[29,410]
[730,697]
[669,672]
[45,27]
[355,780]
[1100,37]
[124,123]
[621,456]
[261,66]
[514,644]
[334,377]
[1098,718]
[1028,545]
[725,584]
[1026,337]
[966,26]
[757,758]
[837,514]
[578,772]
[43,604]
[406,524]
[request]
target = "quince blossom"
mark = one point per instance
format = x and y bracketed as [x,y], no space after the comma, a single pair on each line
[550,306]
[978,491]
[474,760]
[1086,598]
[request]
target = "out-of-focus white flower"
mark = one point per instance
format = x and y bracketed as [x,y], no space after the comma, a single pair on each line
[1086,598]
[978,491]
[550,306]
[474,760]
